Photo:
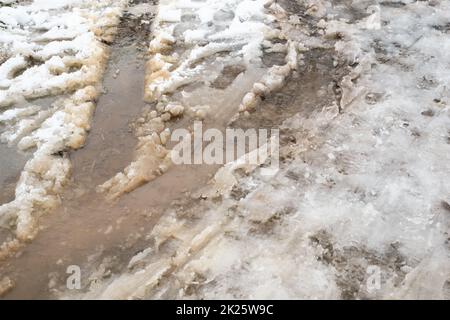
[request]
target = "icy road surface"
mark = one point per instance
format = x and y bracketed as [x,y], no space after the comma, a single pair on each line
[359,90]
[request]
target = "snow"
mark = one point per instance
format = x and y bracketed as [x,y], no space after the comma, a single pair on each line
[242,35]
[365,185]
[52,48]
[364,182]
[184,55]
[8,68]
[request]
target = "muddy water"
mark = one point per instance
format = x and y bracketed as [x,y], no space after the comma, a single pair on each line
[87,226]
[11,164]
[12,160]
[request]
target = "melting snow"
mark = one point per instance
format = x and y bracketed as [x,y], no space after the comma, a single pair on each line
[365,184]
[49,48]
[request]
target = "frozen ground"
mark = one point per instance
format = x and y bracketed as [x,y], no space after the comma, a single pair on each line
[360,92]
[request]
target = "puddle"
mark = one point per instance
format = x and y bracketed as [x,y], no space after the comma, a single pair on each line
[12,161]
[110,144]
[11,165]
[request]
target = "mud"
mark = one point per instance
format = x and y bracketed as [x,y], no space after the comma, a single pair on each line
[307,90]
[351,265]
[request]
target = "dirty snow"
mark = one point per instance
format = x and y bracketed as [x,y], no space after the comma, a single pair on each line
[48,49]
[364,181]
[193,46]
